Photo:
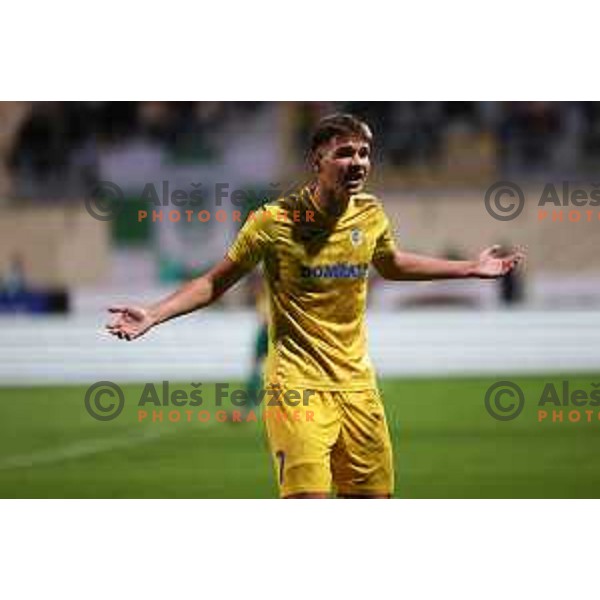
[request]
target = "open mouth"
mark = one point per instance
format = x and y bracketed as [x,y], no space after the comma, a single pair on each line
[355,178]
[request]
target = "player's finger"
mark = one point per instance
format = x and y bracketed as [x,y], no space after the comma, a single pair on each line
[521,252]
[120,332]
[129,333]
[512,262]
[515,256]
[115,323]
[118,309]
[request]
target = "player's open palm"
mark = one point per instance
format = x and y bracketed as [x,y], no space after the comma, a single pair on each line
[494,262]
[129,322]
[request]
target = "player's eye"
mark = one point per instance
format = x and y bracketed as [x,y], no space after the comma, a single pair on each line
[345,152]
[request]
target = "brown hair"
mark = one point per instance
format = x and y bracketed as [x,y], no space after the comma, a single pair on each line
[339,125]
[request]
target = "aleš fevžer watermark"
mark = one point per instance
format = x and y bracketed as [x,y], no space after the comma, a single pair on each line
[106,200]
[556,202]
[105,400]
[557,402]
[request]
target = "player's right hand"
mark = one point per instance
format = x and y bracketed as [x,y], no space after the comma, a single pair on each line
[129,322]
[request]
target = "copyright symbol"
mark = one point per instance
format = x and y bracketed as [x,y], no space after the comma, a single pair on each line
[104,409]
[509,209]
[501,408]
[105,201]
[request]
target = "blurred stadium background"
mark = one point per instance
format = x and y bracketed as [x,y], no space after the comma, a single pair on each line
[437,347]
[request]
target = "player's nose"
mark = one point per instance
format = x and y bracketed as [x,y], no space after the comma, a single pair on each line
[357,164]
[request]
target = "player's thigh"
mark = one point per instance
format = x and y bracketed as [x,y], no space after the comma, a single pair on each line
[300,439]
[362,460]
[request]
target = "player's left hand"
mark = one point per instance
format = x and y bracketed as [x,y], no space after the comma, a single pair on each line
[493,262]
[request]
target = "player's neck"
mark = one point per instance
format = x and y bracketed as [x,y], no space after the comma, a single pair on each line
[330,203]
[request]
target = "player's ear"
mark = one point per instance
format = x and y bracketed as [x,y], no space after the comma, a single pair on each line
[315,160]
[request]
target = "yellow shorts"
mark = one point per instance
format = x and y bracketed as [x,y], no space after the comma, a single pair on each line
[326,438]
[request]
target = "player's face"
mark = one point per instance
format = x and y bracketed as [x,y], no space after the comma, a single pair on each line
[343,165]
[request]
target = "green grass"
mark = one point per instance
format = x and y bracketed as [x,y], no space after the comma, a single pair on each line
[446,446]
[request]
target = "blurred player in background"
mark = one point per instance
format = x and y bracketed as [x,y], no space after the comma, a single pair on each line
[254,383]
[316,269]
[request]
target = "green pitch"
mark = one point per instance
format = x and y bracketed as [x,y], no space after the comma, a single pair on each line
[446,446]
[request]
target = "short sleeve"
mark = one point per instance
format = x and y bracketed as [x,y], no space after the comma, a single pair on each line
[251,242]
[385,244]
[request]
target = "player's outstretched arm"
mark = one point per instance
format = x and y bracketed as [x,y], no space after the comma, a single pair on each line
[491,264]
[132,321]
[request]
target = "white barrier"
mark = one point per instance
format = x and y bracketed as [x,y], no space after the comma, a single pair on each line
[217,345]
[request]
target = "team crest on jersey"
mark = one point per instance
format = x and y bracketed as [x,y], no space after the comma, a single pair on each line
[356,236]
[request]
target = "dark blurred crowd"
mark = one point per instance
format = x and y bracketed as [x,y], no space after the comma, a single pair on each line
[59,141]
[528,136]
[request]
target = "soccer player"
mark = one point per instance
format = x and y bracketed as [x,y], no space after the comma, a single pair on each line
[315,263]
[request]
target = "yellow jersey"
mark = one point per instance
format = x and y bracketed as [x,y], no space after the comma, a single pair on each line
[316,268]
